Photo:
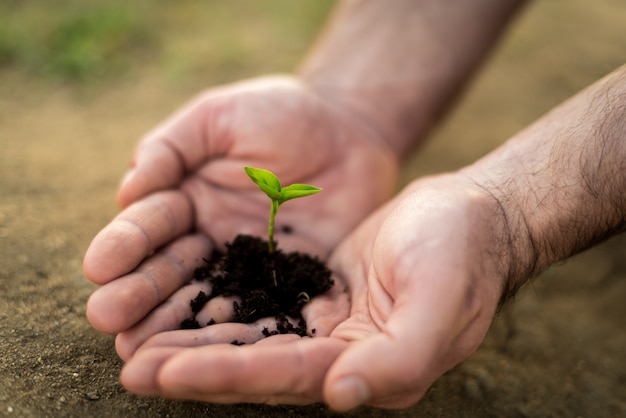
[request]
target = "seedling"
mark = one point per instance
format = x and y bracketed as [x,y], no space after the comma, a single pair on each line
[270,185]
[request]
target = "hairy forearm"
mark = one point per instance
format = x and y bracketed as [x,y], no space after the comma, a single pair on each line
[397,64]
[561,183]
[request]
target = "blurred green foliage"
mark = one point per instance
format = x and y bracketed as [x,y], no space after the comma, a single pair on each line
[70,40]
[79,41]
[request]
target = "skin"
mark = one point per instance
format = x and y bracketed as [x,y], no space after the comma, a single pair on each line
[424,299]
[418,281]
[188,194]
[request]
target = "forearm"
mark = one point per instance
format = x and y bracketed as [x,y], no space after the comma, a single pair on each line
[561,183]
[397,64]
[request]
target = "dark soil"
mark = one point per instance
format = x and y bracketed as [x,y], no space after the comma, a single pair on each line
[558,351]
[274,284]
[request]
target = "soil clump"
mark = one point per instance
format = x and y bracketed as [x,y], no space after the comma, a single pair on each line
[276,284]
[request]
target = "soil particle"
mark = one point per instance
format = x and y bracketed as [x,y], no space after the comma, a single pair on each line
[268,284]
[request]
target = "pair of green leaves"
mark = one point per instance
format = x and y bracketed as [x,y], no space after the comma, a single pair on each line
[270,185]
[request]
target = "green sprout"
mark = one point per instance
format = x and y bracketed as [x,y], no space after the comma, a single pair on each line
[270,185]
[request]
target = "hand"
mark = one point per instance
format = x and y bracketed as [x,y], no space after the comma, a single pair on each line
[418,284]
[187,194]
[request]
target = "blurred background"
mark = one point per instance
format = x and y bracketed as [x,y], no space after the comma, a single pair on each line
[104,41]
[81,82]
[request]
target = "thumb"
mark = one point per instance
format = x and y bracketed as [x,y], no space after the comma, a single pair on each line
[380,371]
[394,367]
[156,166]
[165,155]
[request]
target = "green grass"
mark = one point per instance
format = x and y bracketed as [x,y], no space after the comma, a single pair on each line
[78,42]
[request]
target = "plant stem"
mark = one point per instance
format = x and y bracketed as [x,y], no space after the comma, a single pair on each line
[270,229]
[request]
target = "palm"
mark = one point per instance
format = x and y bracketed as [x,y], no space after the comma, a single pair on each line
[278,125]
[423,294]
[407,307]
[189,194]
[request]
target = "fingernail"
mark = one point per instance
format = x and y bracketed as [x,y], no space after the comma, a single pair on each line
[350,392]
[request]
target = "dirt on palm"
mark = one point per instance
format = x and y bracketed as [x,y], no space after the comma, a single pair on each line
[557,352]
[267,285]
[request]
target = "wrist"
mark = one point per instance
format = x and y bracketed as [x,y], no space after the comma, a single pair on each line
[380,109]
[515,248]
[560,182]
[398,65]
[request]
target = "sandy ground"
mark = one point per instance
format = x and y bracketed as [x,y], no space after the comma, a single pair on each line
[558,352]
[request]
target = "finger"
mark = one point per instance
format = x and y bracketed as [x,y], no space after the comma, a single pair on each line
[328,310]
[162,327]
[167,316]
[120,304]
[361,373]
[228,333]
[135,233]
[166,154]
[291,372]
[265,329]
[218,309]
[406,358]
[141,376]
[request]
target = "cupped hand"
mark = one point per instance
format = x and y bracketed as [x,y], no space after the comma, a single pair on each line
[417,286]
[187,194]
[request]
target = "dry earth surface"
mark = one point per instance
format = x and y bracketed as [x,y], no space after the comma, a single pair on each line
[558,352]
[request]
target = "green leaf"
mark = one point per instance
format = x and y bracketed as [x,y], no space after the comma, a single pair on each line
[266,180]
[294,191]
